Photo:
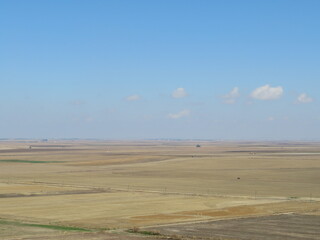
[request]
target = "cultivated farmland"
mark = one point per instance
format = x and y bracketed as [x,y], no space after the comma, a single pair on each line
[101,189]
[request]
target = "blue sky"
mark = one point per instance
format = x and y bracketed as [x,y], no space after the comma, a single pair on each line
[230,70]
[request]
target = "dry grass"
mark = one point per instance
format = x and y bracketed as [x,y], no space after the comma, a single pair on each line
[107,184]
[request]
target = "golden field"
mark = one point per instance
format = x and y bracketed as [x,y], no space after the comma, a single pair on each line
[110,186]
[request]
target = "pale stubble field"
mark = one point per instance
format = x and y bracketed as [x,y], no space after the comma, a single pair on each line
[107,185]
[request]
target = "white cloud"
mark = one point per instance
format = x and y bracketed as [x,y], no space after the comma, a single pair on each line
[267,93]
[230,98]
[179,93]
[304,98]
[270,119]
[133,98]
[180,114]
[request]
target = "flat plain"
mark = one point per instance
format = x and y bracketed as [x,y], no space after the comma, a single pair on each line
[284,226]
[100,189]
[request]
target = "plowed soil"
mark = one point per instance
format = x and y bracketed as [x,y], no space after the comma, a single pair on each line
[276,227]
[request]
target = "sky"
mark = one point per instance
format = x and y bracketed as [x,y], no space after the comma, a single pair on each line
[123,69]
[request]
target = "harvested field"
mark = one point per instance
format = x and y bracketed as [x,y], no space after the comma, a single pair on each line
[17,230]
[286,226]
[113,210]
[100,185]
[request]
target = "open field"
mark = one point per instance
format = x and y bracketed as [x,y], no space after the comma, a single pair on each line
[106,186]
[286,226]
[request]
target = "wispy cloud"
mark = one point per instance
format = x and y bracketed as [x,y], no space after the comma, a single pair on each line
[89,119]
[270,119]
[230,98]
[179,93]
[304,98]
[183,113]
[267,92]
[78,102]
[134,97]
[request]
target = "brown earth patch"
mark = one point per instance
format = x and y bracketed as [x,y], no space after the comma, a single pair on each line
[159,218]
[283,226]
[232,212]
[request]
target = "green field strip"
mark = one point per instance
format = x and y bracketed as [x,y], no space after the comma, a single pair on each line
[53,227]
